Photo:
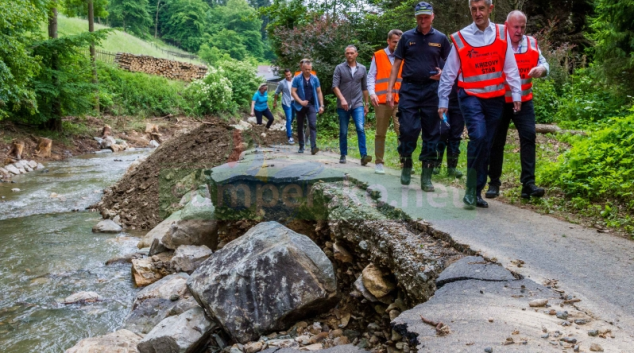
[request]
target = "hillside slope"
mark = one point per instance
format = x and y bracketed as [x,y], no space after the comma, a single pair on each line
[119,41]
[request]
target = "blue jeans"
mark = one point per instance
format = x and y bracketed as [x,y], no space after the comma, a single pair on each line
[359,120]
[290,116]
[482,117]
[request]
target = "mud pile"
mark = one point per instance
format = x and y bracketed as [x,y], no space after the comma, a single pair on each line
[148,191]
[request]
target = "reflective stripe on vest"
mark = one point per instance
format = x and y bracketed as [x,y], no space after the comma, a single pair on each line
[525,63]
[383,71]
[482,68]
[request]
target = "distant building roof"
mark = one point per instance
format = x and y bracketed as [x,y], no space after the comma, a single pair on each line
[266,72]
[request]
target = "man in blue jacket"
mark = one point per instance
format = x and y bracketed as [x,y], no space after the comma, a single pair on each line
[308,101]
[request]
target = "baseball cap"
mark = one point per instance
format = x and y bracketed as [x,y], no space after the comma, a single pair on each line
[423,8]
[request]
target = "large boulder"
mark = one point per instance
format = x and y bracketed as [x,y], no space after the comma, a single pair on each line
[264,281]
[159,231]
[187,332]
[107,226]
[187,258]
[4,174]
[191,232]
[12,169]
[167,297]
[122,341]
[150,269]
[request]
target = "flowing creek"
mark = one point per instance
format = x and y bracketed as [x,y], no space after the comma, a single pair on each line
[48,252]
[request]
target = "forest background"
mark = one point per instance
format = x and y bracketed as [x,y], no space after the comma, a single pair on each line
[589,44]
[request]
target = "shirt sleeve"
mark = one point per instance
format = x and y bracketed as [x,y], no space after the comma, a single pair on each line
[336,78]
[448,76]
[364,81]
[372,77]
[400,48]
[543,62]
[255,97]
[317,83]
[295,83]
[279,87]
[511,72]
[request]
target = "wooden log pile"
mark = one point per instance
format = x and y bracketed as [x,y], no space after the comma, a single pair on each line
[172,69]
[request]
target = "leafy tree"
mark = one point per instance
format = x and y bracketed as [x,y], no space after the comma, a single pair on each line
[185,21]
[19,25]
[78,8]
[230,42]
[614,35]
[212,55]
[238,16]
[132,15]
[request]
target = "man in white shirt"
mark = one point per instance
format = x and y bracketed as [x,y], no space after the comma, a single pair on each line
[378,79]
[481,58]
[531,64]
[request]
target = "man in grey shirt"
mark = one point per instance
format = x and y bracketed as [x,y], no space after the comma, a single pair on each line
[284,87]
[349,83]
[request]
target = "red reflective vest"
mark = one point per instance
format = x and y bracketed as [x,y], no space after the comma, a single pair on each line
[383,71]
[525,63]
[482,67]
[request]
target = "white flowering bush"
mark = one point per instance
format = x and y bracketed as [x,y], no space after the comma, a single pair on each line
[210,95]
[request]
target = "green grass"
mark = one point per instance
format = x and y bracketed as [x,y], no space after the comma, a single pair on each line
[119,41]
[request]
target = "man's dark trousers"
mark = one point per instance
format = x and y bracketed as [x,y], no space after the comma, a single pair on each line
[309,115]
[482,117]
[524,121]
[418,110]
[450,137]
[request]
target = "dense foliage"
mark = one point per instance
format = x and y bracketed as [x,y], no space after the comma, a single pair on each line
[601,166]
[19,22]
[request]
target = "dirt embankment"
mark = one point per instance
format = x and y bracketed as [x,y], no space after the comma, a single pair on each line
[146,194]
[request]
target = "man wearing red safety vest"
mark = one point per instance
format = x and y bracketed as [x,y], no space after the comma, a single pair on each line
[482,58]
[378,78]
[531,64]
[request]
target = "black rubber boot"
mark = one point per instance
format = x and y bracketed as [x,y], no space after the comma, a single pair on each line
[452,164]
[425,177]
[492,192]
[470,199]
[406,172]
[532,190]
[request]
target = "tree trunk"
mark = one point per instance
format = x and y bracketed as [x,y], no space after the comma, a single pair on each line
[91,29]
[156,19]
[55,123]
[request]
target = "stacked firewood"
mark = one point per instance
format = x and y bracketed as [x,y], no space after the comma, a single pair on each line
[171,69]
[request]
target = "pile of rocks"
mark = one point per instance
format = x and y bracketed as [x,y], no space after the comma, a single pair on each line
[20,167]
[115,145]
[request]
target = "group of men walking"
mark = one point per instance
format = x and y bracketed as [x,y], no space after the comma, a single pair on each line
[427,86]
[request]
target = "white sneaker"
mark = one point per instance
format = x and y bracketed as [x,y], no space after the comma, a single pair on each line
[291,141]
[378,169]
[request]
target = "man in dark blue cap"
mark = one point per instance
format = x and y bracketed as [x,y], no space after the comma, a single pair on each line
[420,51]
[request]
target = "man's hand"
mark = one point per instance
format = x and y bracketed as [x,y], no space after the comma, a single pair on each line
[441,111]
[303,103]
[537,72]
[274,104]
[517,106]
[389,98]
[344,104]
[321,110]
[375,100]
[436,76]
[366,109]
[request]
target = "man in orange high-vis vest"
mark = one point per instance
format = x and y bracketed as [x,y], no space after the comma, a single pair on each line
[378,78]
[531,64]
[482,59]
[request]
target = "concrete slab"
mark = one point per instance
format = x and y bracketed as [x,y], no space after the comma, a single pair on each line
[473,267]
[348,348]
[483,314]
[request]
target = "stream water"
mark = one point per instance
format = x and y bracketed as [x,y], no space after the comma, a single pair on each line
[48,252]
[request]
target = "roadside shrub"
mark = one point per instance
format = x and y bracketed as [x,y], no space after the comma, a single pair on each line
[211,94]
[599,167]
[546,100]
[135,93]
[586,104]
[244,80]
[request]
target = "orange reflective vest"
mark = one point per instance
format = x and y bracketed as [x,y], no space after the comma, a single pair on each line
[297,73]
[482,67]
[383,71]
[525,63]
